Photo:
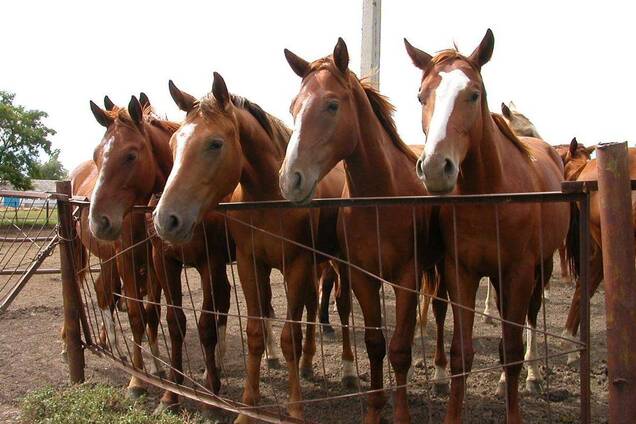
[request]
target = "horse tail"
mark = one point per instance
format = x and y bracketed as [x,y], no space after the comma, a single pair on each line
[573,241]
[431,282]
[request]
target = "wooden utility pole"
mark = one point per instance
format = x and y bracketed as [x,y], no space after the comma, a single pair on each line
[371,30]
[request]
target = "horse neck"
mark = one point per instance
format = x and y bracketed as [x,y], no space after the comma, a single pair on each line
[261,160]
[482,170]
[374,155]
[161,153]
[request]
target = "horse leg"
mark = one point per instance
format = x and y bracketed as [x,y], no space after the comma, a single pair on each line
[309,345]
[254,277]
[343,303]
[208,329]
[425,293]
[514,298]
[153,315]
[327,281]
[105,285]
[168,272]
[563,261]
[400,353]
[462,292]
[221,291]
[271,348]
[574,315]
[490,304]
[440,306]
[367,291]
[136,316]
[534,379]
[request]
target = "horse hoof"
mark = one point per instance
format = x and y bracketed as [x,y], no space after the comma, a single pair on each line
[64,356]
[122,307]
[419,363]
[533,387]
[273,363]
[440,389]
[135,392]
[350,382]
[573,360]
[242,419]
[328,331]
[501,389]
[162,408]
[307,372]
[373,417]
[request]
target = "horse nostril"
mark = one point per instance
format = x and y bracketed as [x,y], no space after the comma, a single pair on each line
[419,168]
[173,223]
[449,168]
[104,223]
[297,180]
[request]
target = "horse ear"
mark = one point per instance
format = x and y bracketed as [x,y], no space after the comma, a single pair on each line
[483,52]
[590,150]
[144,100]
[341,55]
[573,146]
[512,106]
[184,101]
[299,65]
[108,103]
[219,90]
[420,58]
[102,117]
[135,111]
[505,110]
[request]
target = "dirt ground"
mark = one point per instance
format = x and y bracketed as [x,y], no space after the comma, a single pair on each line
[30,348]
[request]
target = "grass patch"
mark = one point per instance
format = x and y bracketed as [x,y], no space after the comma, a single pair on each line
[92,403]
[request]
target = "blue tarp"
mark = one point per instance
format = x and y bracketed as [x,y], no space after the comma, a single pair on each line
[11,202]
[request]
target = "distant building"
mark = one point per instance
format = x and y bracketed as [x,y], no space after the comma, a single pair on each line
[38,185]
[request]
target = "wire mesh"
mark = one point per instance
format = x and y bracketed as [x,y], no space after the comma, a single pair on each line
[200,348]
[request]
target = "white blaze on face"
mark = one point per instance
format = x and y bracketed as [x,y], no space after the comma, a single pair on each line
[292,147]
[182,138]
[105,155]
[446,93]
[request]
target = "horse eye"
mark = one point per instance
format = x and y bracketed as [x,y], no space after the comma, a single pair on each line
[131,157]
[332,106]
[215,144]
[474,96]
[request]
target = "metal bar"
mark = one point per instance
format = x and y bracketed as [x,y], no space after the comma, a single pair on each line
[585,185]
[26,274]
[617,239]
[39,271]
[537,197]
[25,194]
[584,368]
[70,287]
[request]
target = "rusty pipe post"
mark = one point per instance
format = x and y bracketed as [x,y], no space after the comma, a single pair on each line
[70,289]
[617,237]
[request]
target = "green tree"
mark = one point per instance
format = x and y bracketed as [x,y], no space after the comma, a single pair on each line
[51,169]
[23,137]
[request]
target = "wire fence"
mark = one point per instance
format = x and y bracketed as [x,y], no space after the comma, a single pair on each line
[182,323]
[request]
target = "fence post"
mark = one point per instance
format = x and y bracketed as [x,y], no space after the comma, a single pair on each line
[617,237]
[70,288]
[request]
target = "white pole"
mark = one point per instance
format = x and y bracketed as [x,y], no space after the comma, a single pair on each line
[371,30]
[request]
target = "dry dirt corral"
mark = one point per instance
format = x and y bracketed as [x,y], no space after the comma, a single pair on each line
[30,358]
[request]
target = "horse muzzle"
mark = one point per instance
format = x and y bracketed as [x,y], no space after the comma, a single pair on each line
[296,186]
[174,226]
[438,173]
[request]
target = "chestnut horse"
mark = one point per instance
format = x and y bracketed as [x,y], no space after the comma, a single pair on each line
[340,118]
[229,145]
[134,165]
[468,150]
[579,166]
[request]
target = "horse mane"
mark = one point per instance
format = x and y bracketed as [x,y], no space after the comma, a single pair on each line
[505,129]
[384,110]
[277,131]
[150,117]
